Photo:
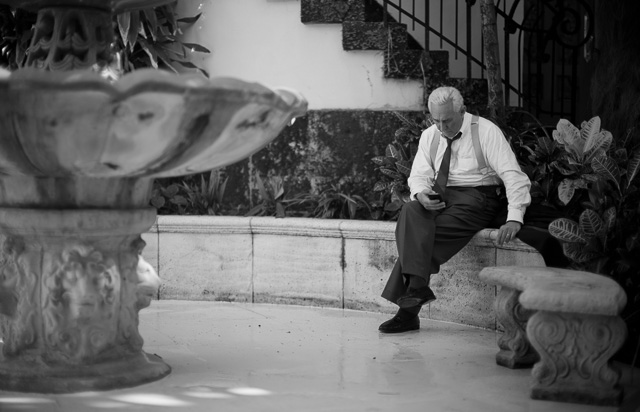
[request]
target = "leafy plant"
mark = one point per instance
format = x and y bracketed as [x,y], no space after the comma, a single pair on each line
[333,204]
[271,194]
[537,154]
[604,237]
[150,38]
[169,200]
[395,167]
[143,38]
[206,197]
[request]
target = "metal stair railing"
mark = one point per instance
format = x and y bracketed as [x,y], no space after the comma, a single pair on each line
[548,30]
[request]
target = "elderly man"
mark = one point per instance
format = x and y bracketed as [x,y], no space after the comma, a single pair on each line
[460,177]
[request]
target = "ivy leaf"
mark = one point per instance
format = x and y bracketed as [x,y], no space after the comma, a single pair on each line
[567,230]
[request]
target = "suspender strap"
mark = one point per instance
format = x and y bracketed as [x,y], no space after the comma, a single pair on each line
[475,138]
[434,148]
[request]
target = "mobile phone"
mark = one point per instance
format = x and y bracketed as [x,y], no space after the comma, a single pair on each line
[434,196]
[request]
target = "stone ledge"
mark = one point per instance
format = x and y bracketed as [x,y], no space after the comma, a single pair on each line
[320,262]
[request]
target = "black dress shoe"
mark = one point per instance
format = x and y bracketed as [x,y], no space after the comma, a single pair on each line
[416,297]
[396,325]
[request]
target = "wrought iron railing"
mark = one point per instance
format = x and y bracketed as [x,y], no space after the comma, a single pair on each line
[540,45]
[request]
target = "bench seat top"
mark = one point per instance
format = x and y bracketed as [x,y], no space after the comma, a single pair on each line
[559,290]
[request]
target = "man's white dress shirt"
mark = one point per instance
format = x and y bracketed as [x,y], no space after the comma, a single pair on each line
[502,166]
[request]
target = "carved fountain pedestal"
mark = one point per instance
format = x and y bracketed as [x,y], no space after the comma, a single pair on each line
[78,155]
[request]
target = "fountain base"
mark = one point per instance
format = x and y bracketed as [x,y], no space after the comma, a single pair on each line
[25,376]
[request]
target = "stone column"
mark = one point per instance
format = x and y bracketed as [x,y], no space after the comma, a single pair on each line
[515,349]
[70,293]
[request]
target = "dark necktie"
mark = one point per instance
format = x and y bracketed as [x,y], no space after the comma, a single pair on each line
[443,174]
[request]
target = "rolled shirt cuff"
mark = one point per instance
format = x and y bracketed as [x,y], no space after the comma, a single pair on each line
[516,214]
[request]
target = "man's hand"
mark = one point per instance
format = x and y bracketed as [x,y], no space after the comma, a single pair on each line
[508,232]
[428,203]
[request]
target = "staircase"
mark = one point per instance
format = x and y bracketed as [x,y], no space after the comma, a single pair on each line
[364,27]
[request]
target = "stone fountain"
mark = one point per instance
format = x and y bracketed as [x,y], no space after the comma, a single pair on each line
[78,155]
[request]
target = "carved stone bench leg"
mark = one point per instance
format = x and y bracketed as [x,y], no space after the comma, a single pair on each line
[515,350]
[575,350]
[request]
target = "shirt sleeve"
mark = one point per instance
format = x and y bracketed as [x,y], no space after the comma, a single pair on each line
[502,160]
[422,173]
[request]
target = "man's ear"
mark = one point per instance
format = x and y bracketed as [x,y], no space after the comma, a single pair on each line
[463,109]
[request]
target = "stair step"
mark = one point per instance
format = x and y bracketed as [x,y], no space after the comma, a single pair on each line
[414,64]
[360,35]
[331,11]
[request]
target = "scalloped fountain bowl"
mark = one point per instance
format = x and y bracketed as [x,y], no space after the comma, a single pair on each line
[147,124]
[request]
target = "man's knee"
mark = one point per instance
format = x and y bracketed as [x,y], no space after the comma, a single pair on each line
[412,208]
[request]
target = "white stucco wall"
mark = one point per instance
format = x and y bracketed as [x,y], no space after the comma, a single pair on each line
[265,41]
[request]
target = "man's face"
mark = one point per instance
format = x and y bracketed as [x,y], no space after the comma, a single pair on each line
[446,119]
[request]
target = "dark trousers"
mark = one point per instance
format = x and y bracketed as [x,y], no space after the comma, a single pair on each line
[426,239]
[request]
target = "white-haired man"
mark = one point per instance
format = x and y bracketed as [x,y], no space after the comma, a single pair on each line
[461,174]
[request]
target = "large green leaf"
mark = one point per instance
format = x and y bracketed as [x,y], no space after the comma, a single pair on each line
[609,218]
[391,151]
[152,21]
[566,190]
[379,160]
[196,47]
[189,20]
[569,136]
[545,146]
[591,224]
[597,144]
[391,173]
[124,24]
[633,167]
[593,137]
[134,28]
[577,253]
[567,230]
[150,51]
[607,168]
[404,167]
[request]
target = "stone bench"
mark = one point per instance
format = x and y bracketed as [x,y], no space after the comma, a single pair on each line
[573,328]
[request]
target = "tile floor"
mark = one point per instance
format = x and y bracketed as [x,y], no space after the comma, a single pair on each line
[256,357]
